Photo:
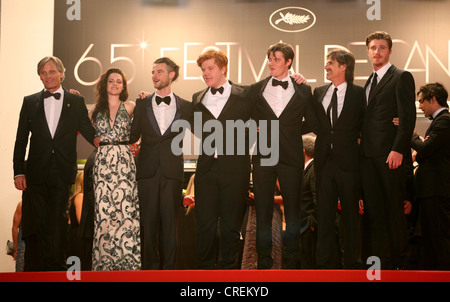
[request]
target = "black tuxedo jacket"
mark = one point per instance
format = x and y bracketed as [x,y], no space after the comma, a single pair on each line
[308,205]
[155,146]
[74,118]
[345,133]
[433,156]
[394,96]
[238,107]
[290,122]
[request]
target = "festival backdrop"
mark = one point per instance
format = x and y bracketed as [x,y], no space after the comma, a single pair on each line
[91,36]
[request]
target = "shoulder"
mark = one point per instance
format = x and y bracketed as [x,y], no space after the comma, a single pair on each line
[182,100]
[355,89]
[303,88]
[129,106]
[198,94]
[443,118]
[36,95]
[72,96]
[240,89]
[32,98]
[142,101]
[321,88]
[402,74]
[260,83]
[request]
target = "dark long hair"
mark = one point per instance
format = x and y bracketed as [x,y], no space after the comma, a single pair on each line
[101,106]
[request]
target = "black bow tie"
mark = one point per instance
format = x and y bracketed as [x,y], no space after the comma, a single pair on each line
[283,84]
[48,94]
[214,90]
[164,99]
[430,118]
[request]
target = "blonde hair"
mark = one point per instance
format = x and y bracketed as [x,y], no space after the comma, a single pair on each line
[79,184]
[190,186]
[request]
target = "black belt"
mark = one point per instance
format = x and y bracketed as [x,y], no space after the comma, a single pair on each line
[114,143]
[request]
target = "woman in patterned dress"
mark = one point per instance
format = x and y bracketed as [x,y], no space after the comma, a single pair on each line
[116,244]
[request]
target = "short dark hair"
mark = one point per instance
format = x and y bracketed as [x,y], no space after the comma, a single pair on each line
[436,90]
[379,35]
[171,66]
[344,57]
[286,49]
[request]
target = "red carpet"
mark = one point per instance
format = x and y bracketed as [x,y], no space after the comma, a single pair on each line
[231,276]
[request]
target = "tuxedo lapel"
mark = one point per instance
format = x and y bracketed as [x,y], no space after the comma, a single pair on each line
[177,114]
[231,100]
[322,94]
[434,122]
[199,105]
[41,112]
[322,110]
[263,86]
[289,104]
[65,110]
[348,99]
[380,85]
[151,114]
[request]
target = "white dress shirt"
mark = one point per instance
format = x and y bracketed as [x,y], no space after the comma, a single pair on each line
[278,97]
[215,102]
[340,98]
[164,114]
[53,108]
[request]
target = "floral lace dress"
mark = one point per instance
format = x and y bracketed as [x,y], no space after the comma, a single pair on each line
[116,243]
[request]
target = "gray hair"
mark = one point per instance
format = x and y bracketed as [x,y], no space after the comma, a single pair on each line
[59,64]
[308,144]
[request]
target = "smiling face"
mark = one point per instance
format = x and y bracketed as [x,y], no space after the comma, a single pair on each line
[51,76]
[379,52]
[213,75]
[161,76]
[278,66]
[114,84]
[335,72]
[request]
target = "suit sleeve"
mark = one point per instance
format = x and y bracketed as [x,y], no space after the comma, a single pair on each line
[437,137]
[310,123]
[135,125]
[21,143]
[86,129]
[406,108]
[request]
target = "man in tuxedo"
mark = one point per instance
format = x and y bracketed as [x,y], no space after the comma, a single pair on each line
[222,177]
[160,170]
[280,101]
[432,183]
[339,111]
[389,93]
[54,117]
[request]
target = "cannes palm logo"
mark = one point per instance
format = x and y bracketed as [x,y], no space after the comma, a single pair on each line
[292,19]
